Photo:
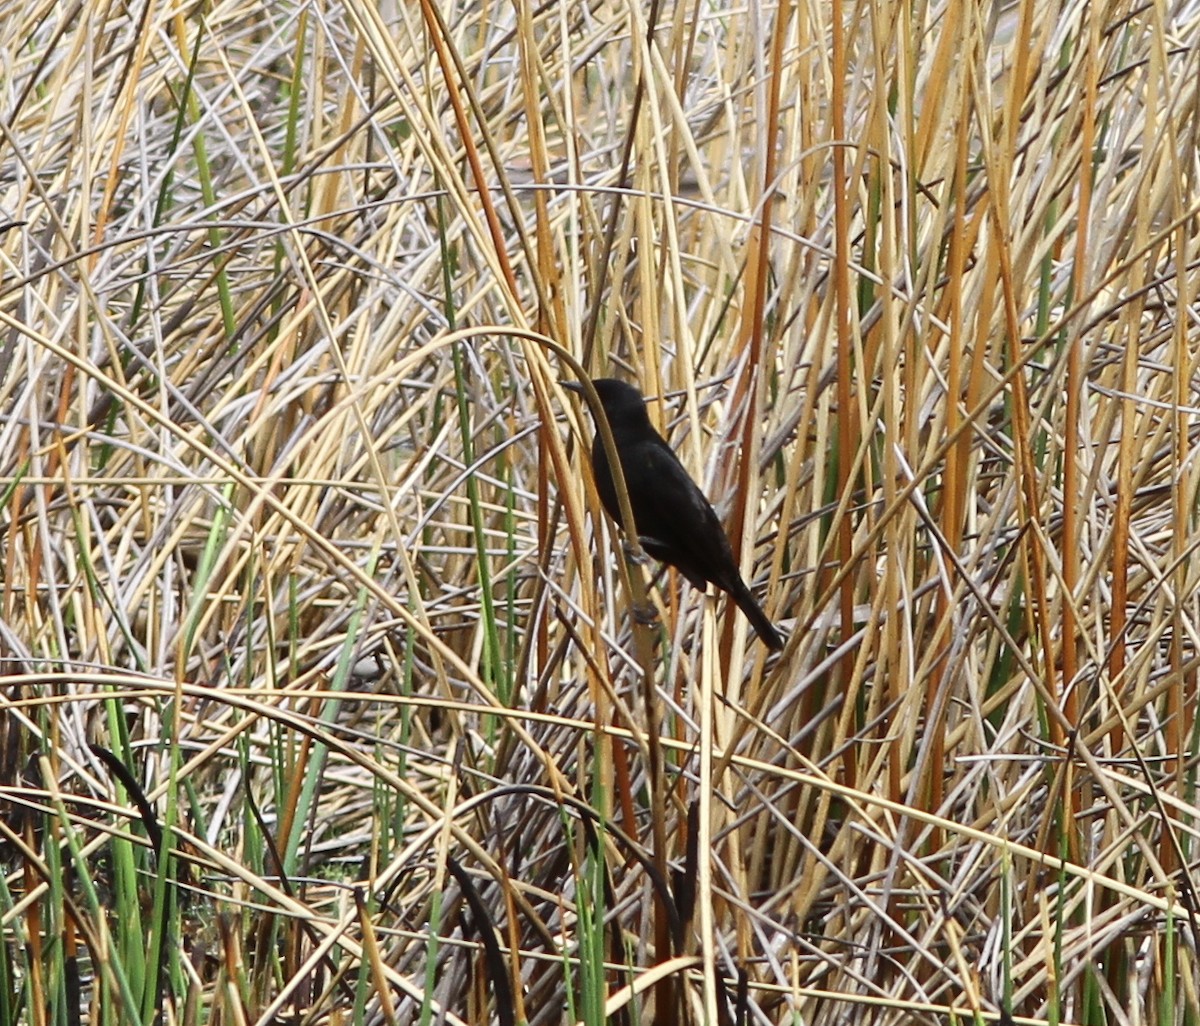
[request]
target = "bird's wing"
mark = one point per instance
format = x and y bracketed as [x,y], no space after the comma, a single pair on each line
[676,523]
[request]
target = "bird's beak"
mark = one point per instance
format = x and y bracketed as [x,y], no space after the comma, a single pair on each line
[572,386]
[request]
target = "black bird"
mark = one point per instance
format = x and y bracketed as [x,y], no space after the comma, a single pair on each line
[675,522]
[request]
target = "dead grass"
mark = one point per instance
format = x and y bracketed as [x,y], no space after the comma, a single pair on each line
[295,521]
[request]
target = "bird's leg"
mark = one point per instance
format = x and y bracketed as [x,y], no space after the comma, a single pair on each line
[646,614]
[633,555]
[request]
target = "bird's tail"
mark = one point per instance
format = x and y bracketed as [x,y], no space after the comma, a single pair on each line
[758,619]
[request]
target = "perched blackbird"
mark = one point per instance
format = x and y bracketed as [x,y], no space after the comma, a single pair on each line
[674,521]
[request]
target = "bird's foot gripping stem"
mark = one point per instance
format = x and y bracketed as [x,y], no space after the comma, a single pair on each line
[646,615]
[632,555]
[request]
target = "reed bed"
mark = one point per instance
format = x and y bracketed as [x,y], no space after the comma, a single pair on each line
[329,695]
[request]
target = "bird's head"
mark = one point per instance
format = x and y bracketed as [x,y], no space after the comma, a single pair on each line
[623,403]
